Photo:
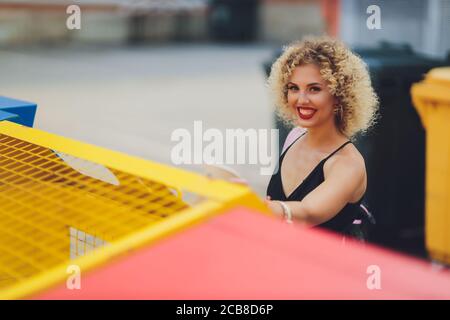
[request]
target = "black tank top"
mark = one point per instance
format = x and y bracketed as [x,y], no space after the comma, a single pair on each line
[342,220]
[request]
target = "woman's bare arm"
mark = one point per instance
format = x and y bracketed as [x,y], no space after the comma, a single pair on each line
[323,203]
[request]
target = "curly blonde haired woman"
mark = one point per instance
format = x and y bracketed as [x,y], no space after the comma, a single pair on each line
[324,90]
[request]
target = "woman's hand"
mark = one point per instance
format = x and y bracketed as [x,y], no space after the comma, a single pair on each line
[274,206]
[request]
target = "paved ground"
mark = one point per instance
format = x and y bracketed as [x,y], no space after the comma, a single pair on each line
[131,99]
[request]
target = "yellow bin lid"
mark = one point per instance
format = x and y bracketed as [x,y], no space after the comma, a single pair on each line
[434,90]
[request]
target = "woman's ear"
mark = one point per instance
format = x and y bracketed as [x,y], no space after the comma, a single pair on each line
[335,102]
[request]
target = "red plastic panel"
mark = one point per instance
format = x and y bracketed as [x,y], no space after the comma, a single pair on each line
[246,255]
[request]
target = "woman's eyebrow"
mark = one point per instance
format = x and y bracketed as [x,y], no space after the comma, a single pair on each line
[309,84]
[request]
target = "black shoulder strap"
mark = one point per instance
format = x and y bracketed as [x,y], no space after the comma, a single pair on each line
[343,145]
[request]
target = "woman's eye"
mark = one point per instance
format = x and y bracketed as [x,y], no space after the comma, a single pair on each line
[292,88]
[315,89]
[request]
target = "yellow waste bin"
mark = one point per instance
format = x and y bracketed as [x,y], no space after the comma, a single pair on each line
[431,97]
[67,207]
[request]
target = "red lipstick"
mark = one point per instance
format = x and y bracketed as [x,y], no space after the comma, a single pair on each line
[306,113]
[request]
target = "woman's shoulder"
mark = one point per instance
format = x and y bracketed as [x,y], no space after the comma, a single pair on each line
[348,158]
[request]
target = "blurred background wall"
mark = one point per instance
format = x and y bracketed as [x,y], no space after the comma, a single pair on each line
[155,20]
[421,23]
[424,25]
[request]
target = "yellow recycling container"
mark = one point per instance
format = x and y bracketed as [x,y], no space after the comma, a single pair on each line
[64,203]
[431,97]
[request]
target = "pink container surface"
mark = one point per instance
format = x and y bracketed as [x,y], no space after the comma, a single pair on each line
[243,254]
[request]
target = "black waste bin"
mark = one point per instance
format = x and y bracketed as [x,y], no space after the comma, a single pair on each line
[394,150]
[233,20]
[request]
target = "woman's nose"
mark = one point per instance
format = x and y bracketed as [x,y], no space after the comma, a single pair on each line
[302,98]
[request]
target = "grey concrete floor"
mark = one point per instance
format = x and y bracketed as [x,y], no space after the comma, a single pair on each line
[131,99]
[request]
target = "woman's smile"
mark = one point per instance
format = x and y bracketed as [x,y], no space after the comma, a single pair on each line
[306,113]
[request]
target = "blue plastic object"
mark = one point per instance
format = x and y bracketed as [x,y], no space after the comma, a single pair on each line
[18,111]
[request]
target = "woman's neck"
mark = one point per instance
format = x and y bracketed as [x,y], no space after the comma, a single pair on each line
[324,137]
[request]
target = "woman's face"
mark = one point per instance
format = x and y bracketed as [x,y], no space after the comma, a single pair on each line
[309,97]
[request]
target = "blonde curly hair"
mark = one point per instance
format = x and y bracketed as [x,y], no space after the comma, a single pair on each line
[345,73]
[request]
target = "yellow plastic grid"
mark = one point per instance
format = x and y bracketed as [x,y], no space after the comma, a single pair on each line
[51,214]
